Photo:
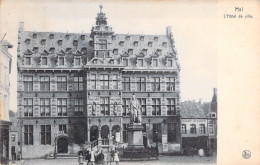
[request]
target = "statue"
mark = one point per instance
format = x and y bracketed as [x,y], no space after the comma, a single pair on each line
[135,111]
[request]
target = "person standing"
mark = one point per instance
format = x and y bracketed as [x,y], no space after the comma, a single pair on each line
[116,158]
[105,158]
[92,157]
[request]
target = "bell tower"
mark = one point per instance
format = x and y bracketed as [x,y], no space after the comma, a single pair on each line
[101,34]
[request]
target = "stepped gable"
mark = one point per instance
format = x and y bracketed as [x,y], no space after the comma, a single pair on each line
[190,109]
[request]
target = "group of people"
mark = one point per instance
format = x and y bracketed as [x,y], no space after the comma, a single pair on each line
[100,157]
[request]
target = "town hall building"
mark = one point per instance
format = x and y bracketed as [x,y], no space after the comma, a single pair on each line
[75,89]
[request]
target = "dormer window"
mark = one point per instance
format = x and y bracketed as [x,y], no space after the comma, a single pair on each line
[83,50]
[95,61]
[127,38]
[150,44]
[43,41]
[52,50]
[165,44]
[159,52]
[169,62]
[35,50]
[51,36]
[140,62]
[106,27]
[125,61]
[44,61]
[155,39]
[67,36]
[113,37]
[155,62]
[97,28]
[75,42]
[82,37]
[136,43]
[130,51]
[27,41]
[76,61]
[121,43]
[59,42]
[111,61]
[142,38]
[34,36]
[115,51]
[61,61]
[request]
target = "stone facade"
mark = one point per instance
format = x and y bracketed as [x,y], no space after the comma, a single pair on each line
[75,88]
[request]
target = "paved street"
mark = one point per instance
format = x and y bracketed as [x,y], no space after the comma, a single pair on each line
[163,159]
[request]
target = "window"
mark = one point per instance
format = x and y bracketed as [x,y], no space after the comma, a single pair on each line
[79,106]
[141,84]
[28,107]
[61,61]
[51,36]
[211,129]
[125,62]
[140,62]
[156,106]
[59,42]
[77,61]
[155,83]
[157,132]
[34,36]
[78,83]
[144,127]
[150,44]
[104,106]
[68,49]
[43,41]
[202,129]
[170,83]
[62,107]
[193,129]
[52,50]
[27,41]
[142,102]
[104,80]
[63,128]
[155,62]
[67,36]
[27,60]
[169,63]
[113,37]
[35,50]
[155,39]
[82,37]
[115,81]
[45,83]
[172,132]
[141,38]
[75,42]
[84,50]
[78,134]
[159,52]
[103,44]
[136,43]
[126,83]
[183,129]
[28,134]
[46,134]
[130,51]
[127,37]
[62,83]
[125,106]
[121,43]
[44,61]
[115,51]
[28,83]
[165,44]
[13,138]
[171,106]
[125,135]
[144,51]
[45,107]
[93,81]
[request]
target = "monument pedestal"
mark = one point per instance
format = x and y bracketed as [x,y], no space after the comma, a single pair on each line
[135,136]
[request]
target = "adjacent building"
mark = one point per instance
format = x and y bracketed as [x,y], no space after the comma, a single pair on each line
[75,88]
[5,69]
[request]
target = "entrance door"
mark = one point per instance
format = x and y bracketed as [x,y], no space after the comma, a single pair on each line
[93,133]
[62,145]
[145,141]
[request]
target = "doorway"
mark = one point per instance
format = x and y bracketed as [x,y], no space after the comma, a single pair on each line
[62,145]
[93,133]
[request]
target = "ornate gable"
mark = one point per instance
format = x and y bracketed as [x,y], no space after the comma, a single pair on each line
[61,53]
[45,52]
[28,52]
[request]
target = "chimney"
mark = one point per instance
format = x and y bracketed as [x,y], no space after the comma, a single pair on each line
[21,25]
[215,91]
[168,30]
[214,99]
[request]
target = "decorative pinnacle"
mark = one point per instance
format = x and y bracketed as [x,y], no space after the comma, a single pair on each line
[100,6]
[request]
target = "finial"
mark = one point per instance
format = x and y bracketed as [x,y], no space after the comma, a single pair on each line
[101,6]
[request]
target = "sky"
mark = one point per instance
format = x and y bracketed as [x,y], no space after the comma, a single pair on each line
[194,29]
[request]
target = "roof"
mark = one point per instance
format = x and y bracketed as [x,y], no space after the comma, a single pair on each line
[191,109]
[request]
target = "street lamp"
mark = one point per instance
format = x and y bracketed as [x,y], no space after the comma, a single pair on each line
[157,142]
